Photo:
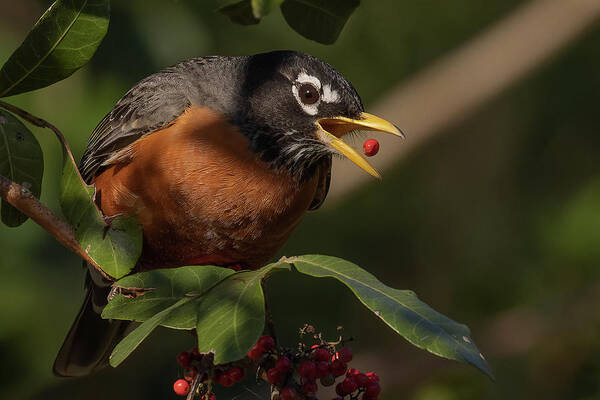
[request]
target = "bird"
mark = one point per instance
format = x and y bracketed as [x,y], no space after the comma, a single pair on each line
[218,158]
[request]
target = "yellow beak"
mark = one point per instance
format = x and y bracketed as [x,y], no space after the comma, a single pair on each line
[330,130]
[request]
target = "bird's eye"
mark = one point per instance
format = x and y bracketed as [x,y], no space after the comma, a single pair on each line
[308,94]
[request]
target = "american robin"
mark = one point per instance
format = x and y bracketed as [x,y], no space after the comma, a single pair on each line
[218,158]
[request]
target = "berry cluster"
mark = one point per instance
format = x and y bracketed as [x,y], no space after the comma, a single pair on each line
[356,382]
[294,373]
[265,344]
[199,370]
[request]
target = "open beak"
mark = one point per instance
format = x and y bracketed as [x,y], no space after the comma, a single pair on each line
[330,131]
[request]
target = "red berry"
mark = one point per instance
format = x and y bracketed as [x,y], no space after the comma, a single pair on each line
[340,390]
[190,373]
[323,369]
[321,354]
[372,376]
[345,354]
[275,375]
[184,359]
[236,374]
[309,388]
[255,353]
[371,147]
[338,368]
[265,343]
[289,393]
[362,380]
[181,387]
[226,380]
[308,370]
[349,386]
[222,378]
[352,372]
[195,354]
[373,390]
[283,364]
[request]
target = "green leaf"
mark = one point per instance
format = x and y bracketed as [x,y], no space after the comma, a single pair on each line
[231,317]
[261,8]
[114,247]
[226,308]
[318,20]
[399,309]
[167,287]
[240,12]
[63,40]
[137,336]
[21,161]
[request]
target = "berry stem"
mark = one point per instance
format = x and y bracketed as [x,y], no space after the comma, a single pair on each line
[195,386]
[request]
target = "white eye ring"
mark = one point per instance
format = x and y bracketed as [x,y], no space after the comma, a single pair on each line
[302,79]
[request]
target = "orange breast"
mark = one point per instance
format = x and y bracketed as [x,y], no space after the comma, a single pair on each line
[202,197]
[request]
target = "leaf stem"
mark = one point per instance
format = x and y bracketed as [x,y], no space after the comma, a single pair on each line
[41,123]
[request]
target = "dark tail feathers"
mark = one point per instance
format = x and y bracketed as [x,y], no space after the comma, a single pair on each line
[91,339]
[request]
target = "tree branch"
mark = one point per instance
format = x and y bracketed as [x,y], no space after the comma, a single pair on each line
[23,200]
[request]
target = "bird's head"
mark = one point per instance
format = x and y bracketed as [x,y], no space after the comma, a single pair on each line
[298,108]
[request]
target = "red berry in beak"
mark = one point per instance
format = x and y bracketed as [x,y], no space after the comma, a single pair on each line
[371,147]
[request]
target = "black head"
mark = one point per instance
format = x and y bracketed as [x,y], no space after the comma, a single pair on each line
[287,93]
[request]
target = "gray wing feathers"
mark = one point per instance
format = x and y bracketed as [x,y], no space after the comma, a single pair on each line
[150,105]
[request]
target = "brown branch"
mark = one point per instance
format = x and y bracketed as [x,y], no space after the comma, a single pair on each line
[23,200]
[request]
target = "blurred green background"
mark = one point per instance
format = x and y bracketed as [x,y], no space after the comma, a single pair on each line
[495,222]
